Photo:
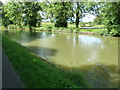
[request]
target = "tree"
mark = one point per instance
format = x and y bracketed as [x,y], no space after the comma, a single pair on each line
[98,20]
[30,9]
[77,14]
[5,19]
[111,14]
[79,10]
[61,16]
[95,9]
[13,12]
[19,13]
[1,4]
[58,12]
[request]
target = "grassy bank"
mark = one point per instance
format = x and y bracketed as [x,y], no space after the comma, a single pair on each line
[47,26]
[34,72]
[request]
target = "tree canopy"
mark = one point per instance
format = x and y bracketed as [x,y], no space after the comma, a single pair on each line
[32,13]
[111,12]
[22,13]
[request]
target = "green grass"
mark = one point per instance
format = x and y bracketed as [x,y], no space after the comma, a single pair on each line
[34,72]
[72,28]
[47,26]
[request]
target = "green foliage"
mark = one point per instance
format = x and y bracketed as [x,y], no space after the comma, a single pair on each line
[98,20]
[58,12]
[32,13]
[30,9]
[21,13]
[12,12]
[1,4]
[82,24]
[78,12]
[111,12]
[110,16]
[61,13]
[5,19]
[114,30]
[94,7]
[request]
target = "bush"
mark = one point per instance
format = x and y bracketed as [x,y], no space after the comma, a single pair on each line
[82,24]
[114,30]
[92,24]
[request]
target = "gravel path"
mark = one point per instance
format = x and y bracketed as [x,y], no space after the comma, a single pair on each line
[9,78]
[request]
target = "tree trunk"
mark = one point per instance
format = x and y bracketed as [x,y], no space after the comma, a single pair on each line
[30,28]
[77,16]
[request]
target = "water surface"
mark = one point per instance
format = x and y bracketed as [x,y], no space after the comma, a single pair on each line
[95,56]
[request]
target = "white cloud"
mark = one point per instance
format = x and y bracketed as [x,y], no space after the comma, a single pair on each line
[4,1]
[88,18]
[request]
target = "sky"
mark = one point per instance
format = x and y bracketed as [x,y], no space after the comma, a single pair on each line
[88,18]
[3,1]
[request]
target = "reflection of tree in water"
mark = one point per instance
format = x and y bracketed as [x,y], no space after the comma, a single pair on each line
[45,53]
[110,40]
[37,35]
[105,76]
[95,76]
[24,36]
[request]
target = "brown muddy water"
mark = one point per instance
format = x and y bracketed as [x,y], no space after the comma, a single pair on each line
[96,57]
